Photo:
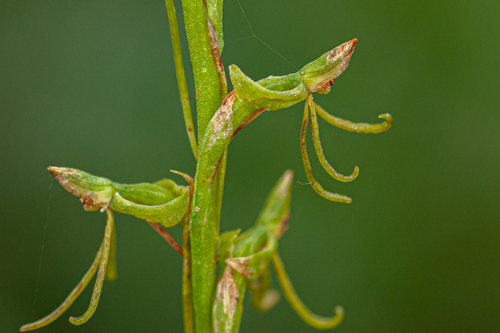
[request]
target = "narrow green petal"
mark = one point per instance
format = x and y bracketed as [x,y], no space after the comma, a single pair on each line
[111,273]
[71,297]
[307,165]
[100,274]
[322,323]
[356,127]
[319,150]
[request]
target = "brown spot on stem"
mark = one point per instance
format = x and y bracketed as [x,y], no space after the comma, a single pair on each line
[223,117]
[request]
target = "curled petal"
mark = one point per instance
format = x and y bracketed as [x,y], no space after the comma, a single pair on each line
[168,214]
[261,97]
[307,165]
[319,150]
[356,127]
[100,274]
[70,299]
[322,323]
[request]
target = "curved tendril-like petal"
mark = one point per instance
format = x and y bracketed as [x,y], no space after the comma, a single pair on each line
[111,273]
[307,165]
[319,150]
[70,299]
[322,323]
[100,274]
[356,127]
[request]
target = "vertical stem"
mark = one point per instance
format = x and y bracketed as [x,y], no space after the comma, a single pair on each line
[218,189]
[181,77]
[204,70]
[203,226]
[187,296]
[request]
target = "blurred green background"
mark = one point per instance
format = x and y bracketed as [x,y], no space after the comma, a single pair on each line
[91,85]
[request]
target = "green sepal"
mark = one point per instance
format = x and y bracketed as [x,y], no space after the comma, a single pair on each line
[254,93]
[164,202]
[226,246]
[250,252]
[245,260]
[252,266]
[318,75]
[274,215]
[94,192]
[150,194]
[167,214]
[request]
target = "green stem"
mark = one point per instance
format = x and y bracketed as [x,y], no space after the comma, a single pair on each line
[209,89]
[187,295]
[204,70]
[181,77]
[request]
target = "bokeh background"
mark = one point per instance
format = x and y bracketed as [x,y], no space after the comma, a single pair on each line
[91,85]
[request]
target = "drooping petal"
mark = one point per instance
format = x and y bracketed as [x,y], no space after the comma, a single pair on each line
[111,273]
[100,274]
[307,165]
[319,150]
[70,299]
[322,323]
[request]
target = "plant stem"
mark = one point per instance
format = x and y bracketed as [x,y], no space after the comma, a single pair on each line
[203,225]
[181,77]
[187,296]
[204,70]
